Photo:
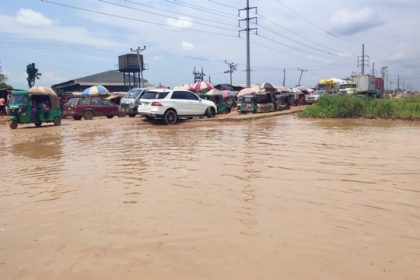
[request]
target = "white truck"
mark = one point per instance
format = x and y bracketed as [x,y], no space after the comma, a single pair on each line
[365,84]
[349,87]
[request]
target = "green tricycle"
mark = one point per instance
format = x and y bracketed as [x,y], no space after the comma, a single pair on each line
[37,105]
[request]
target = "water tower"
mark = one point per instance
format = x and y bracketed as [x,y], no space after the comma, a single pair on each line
[131,65]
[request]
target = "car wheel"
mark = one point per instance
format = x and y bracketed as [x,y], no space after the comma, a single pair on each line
[13,125]
[57,121]
[110,117]
[210,113]
[88,115]
[77,118]
[170,117]
[38,124]
[131,115]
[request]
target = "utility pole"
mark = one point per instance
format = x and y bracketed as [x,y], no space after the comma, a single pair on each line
[385,76]
[198,76]
[301,73]
[284,77]
[247,30]
[232,68]
[363,60]
[138,51]
[398,83]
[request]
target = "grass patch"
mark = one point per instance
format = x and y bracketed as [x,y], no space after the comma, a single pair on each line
[350,106]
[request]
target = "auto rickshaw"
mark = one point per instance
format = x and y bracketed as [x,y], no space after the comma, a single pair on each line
[256,103]
[222,106]
[36,105]
[282,101]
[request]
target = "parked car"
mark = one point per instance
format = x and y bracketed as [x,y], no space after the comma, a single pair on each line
[88,107]
[171,105]
[313,97]
[131,101]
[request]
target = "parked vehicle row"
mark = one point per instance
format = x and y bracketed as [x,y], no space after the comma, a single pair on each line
[168,105]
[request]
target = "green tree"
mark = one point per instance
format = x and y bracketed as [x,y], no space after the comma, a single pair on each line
[3,80]
[33,74]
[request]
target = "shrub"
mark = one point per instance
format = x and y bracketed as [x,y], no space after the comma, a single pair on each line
[351,106]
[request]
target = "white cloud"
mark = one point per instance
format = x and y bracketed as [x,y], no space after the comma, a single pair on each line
[74,35]
[187,46]
[181,22]
[346,22]
[30,17]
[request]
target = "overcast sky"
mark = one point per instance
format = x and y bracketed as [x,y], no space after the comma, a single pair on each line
[324,37]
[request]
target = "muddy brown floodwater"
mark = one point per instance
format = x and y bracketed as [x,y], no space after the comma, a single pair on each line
[277,198]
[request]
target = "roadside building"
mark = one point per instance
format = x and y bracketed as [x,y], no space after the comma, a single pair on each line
[113,80]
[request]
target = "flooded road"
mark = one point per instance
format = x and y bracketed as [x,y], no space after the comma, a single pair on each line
[277,198]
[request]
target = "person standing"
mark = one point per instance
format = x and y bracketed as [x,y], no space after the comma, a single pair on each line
[2,106]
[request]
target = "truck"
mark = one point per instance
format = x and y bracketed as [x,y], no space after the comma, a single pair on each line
[349,87]
[380,85]
[330,85]
[365,85]
[325,86]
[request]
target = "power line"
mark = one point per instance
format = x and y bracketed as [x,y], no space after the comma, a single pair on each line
[293,48]
[295,41]
[223,4]
[306,20]
[166,16]
[329,33]
[201,8]
[131,19]
[170,11]
[295,34]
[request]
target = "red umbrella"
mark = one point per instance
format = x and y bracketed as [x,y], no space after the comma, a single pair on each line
[202,87]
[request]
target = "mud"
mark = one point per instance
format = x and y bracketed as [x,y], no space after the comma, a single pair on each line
[273,198]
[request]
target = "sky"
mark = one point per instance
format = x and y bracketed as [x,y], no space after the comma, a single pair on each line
[68,39]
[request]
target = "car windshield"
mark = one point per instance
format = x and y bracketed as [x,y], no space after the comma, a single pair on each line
[348,86]
[72,101]
[18,99]
[133,93]
[322,86]
[155,95]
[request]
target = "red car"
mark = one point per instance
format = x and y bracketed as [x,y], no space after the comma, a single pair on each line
[88,107]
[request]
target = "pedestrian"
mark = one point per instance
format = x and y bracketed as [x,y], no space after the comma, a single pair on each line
[2,106]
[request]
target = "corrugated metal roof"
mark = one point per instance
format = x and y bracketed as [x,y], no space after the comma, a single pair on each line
[107,78]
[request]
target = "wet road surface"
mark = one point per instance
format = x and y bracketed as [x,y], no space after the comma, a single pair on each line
[277,198]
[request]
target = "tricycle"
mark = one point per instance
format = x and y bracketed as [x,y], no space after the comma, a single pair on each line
[37,105]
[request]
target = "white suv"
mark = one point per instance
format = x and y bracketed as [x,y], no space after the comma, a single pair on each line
[171,105]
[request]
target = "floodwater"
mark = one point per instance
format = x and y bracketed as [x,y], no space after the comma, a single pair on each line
[277,198]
